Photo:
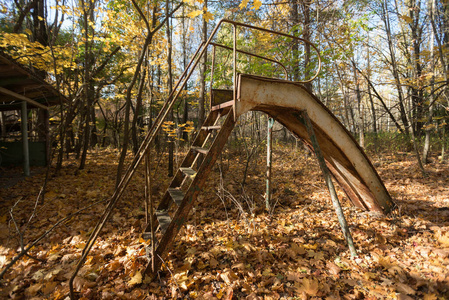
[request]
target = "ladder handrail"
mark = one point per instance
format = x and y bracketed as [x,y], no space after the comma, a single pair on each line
[236,24]
[255,55]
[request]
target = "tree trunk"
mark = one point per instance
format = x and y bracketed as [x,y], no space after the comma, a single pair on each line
[307,35]
[294,16]
[88,17]
[370,97]
[428,128]
[360,121]
[385,17]
[138,113]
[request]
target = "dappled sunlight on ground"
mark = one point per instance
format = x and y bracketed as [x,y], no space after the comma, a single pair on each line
[226,251]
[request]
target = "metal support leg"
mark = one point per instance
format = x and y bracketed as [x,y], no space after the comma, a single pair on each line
[26,152]
[330,185]
[270,123]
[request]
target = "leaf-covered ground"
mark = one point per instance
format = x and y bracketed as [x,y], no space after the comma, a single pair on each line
[231,248]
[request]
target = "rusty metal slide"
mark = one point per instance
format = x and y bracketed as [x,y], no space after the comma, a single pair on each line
[284,101]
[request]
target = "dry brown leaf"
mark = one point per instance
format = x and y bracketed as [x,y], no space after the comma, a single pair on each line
[78,283]
[33,289]
[444,239]
[370,275]
[213,262]
[49,287]
[430,297]
[333,268]
[136,279]
[401,296]
[403,288]
[308,286]
[228,277]
[299,250]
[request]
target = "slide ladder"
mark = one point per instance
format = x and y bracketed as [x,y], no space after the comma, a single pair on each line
[285,101]
[179,198]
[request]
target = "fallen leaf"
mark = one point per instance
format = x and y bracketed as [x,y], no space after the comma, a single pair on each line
[308,286]
[403,288]
[49,287]
[33,289]
[136,279]
[333,268]
[213,262]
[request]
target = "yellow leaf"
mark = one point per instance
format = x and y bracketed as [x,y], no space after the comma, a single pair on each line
[195,13]
[311,247]
[406,18]
[136,279]
[243,4]
[257,4]
[208,16]
[370,275]
[220,294]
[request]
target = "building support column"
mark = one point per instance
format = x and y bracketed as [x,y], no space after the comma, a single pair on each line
[25,148]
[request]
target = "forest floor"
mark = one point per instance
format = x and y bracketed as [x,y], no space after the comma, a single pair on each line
[231,248]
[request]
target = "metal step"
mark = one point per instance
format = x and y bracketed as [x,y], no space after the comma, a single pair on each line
[200,150]
[146,236]
[164,220]
[215,127]
[189,172]
[176,195]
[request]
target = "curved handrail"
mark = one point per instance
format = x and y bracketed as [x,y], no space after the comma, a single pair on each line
[255,55]
[282,34]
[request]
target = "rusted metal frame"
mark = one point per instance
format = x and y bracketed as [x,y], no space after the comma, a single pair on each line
[330,185]
[252,54]
[345,184]
[152,133]
[191,195]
